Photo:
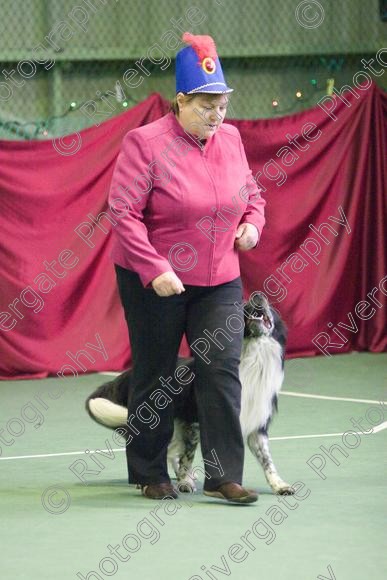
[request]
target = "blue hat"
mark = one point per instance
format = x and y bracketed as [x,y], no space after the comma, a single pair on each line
[198,68]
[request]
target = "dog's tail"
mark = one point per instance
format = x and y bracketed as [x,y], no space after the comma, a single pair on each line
[107,413]
[107,405]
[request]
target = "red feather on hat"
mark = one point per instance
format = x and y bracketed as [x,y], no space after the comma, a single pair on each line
[203,45]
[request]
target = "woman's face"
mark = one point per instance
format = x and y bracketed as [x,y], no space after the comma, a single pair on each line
[203,115]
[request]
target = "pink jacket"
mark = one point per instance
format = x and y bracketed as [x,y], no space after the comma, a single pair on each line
[178,203]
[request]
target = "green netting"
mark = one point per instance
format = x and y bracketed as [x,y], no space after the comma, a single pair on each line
[54,53]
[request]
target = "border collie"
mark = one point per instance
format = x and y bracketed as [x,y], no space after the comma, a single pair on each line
[261,374]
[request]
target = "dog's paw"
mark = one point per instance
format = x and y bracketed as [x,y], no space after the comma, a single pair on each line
[186,485]
[284,489]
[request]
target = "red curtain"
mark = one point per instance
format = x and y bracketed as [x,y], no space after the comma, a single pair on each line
[60,312]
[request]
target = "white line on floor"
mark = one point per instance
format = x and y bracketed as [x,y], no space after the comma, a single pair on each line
[43,455]
[380,427]
[295,394]
[310,396]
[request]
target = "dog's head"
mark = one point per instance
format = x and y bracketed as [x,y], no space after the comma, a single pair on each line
[259,319]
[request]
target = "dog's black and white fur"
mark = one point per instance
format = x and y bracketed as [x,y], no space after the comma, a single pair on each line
[261,373]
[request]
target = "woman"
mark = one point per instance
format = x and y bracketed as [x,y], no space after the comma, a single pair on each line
[193,206]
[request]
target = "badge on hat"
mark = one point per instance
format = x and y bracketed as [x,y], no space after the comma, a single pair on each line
[198,68]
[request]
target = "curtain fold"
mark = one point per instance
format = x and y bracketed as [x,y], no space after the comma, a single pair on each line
[322,251]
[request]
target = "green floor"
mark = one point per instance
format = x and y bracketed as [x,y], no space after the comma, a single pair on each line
[336,529]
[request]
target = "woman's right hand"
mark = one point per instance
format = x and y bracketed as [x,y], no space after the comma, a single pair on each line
[167,284]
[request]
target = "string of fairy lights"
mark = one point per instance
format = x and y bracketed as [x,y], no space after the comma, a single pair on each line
[306,97]
[332,65]
[302,98]
[41,128]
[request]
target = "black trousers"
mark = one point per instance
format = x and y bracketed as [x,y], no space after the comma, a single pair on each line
[209,318]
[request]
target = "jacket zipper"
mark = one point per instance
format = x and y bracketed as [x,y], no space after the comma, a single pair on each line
[216,203]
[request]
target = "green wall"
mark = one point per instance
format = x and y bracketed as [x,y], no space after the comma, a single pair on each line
[266,50]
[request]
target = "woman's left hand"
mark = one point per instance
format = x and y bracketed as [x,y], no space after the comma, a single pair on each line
[246,237]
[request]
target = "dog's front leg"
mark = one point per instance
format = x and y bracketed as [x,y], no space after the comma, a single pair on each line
[258,443]
[181,453]
[190,436]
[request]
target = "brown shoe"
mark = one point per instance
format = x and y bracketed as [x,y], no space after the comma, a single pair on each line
[233,492]
[159,491]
